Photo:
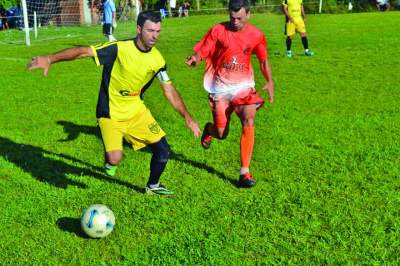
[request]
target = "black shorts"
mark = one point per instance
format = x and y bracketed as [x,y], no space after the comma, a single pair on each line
[107,29]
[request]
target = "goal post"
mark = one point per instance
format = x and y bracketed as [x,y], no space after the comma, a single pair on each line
[39,13]
[26,23]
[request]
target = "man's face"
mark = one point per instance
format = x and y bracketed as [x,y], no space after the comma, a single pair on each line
[239,19]
[149,33]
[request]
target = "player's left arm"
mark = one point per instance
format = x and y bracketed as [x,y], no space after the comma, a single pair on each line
[267,73]
[262,55]
[177,103]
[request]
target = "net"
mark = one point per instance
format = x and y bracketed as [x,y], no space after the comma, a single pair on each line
[62,12]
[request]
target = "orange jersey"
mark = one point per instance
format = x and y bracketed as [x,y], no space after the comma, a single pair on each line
[228,57]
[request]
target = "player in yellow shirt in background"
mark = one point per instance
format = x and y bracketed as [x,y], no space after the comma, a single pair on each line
[295,22]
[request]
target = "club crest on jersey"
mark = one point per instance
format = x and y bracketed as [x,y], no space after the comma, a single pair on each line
[154,128]
[234,65]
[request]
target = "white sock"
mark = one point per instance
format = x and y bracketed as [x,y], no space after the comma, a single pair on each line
[244,170]
[154,185]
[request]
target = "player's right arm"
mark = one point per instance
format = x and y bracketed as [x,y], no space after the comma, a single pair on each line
[193,60]
[205,47]
[45,61]
[286,11]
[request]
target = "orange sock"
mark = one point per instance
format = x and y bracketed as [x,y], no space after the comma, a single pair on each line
[246,145]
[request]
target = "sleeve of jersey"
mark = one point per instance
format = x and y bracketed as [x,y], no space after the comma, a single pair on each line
[105,54]
[261,49]
[207,45]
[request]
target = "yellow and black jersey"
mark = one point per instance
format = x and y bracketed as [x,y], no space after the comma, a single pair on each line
[294,7]
[127,73]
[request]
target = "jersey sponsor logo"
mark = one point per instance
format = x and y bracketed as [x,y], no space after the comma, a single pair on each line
[154,128]
[129,93]
[234,65]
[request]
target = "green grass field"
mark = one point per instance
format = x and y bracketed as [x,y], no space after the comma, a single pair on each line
[326,159]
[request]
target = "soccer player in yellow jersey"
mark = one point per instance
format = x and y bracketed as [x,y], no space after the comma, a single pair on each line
[295,22]
[129,68]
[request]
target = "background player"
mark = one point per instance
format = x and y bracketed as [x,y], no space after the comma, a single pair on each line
[129,68]
[109,19]
[295,21]
[229,79]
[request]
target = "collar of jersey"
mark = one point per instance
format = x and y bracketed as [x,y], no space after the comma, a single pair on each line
[143,51]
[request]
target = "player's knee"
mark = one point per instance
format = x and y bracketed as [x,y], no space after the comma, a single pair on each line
[114,158]
[222,134]
[161,150]
[248,122]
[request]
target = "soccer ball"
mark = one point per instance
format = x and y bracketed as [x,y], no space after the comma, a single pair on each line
[98,221]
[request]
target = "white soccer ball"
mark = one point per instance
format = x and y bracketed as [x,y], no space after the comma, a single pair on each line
[98,221]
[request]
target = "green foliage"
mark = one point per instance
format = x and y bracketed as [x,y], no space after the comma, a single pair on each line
[326,157]
[8,3]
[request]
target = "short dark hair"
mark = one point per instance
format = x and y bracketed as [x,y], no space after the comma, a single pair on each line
[236,5]
[148,15]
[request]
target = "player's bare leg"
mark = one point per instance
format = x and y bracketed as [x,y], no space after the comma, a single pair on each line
[113,158]
[220,127]
[210,131]
[247,115]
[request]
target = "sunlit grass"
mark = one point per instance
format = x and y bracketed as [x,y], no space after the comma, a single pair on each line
[326,157]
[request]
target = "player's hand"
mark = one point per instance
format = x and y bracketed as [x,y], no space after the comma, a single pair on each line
[114,24]
[192,60]
[291,19]
[42,62]
[270,87]
[194,127]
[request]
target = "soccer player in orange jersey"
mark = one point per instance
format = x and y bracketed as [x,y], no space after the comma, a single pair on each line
[229,79]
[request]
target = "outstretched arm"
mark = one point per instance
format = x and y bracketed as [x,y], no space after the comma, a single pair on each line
[267,73]
[176,101]
[45,61]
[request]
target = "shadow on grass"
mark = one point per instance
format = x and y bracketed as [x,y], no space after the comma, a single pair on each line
[47,166]
[181,158]
[71,225]
[74,130]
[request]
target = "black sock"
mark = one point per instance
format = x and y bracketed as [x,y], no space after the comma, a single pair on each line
[158,160]
[288,43]
[304,40]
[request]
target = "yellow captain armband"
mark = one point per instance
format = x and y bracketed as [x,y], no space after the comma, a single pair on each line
[167,82]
